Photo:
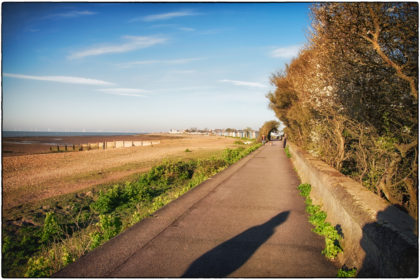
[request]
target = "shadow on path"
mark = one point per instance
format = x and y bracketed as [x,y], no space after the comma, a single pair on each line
[233,253]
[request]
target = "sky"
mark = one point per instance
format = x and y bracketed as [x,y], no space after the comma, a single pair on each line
[144,67]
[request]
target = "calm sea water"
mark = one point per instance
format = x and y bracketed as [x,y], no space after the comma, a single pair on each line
[51,133]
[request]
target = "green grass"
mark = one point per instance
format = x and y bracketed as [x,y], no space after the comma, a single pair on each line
[286,150]
[82,221]
[321,227]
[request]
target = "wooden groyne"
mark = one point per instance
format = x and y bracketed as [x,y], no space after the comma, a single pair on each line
[101,146]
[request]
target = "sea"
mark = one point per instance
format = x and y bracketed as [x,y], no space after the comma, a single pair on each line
[56,133]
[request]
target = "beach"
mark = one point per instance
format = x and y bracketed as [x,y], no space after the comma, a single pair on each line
[31,173]
[15,146]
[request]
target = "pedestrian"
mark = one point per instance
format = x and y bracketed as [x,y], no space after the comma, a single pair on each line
[284,141]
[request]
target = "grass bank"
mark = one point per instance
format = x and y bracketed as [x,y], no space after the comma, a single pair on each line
[70,226]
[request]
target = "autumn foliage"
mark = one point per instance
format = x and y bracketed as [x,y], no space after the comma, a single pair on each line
[350,98]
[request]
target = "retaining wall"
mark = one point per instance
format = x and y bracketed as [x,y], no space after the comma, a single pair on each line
[378,237]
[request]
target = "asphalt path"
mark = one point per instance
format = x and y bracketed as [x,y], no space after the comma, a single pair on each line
[247,221]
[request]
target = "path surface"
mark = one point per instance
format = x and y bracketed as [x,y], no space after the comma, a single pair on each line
[248,221]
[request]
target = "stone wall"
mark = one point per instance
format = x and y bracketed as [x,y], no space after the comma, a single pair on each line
[379,238]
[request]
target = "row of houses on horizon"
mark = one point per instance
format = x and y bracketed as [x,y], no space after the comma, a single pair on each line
[228,132]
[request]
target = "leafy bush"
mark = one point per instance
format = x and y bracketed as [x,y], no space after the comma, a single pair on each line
[38,267]
[304,189]
[51,228]
[346,272]
[109,200]
[109,226]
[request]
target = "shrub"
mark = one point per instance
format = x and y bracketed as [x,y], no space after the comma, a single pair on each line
[109,226]
[38,267]
[304,189]
[51,229]
[346,272]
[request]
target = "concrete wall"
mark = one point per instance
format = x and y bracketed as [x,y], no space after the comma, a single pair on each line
[378,237]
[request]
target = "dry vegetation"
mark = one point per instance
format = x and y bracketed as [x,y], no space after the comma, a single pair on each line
[351,96]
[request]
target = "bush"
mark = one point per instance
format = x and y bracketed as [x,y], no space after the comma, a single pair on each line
[38,267]
[346,272]
[51,228]
[109,200]
[109,226]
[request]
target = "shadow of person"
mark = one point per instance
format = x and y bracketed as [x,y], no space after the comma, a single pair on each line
[390,245]
[233,253]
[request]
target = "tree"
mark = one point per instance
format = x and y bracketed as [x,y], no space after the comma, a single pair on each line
[267,128]
[351,96]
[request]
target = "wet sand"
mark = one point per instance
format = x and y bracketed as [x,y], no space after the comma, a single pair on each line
[16,146]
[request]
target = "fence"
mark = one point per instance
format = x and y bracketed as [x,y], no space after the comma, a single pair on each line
[101,146]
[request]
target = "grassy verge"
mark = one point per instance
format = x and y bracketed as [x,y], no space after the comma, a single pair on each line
[286,150]
[321,227]
[69,227]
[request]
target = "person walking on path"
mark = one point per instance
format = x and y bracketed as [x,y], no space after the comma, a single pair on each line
[284,141]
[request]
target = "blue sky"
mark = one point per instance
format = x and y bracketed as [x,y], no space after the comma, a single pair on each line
[144,67]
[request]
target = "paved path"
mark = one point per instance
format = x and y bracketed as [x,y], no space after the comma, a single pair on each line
[248,221]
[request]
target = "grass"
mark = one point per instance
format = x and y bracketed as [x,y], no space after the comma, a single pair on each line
[65,228]
[321,227]
[286,150]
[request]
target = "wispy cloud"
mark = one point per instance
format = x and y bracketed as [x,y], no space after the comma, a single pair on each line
[242,83]
[132,43]
[61,79]
[171,25]
[156,61]
[286,52]
[188,29]
[69,14]
[165,16]
[132,92]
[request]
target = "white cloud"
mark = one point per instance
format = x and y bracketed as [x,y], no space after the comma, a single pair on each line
[70,14]
[155,61]
[242,83]
[61,79]
[189,29]
[286,52]
[164,16]
[133,43]
[125,91]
